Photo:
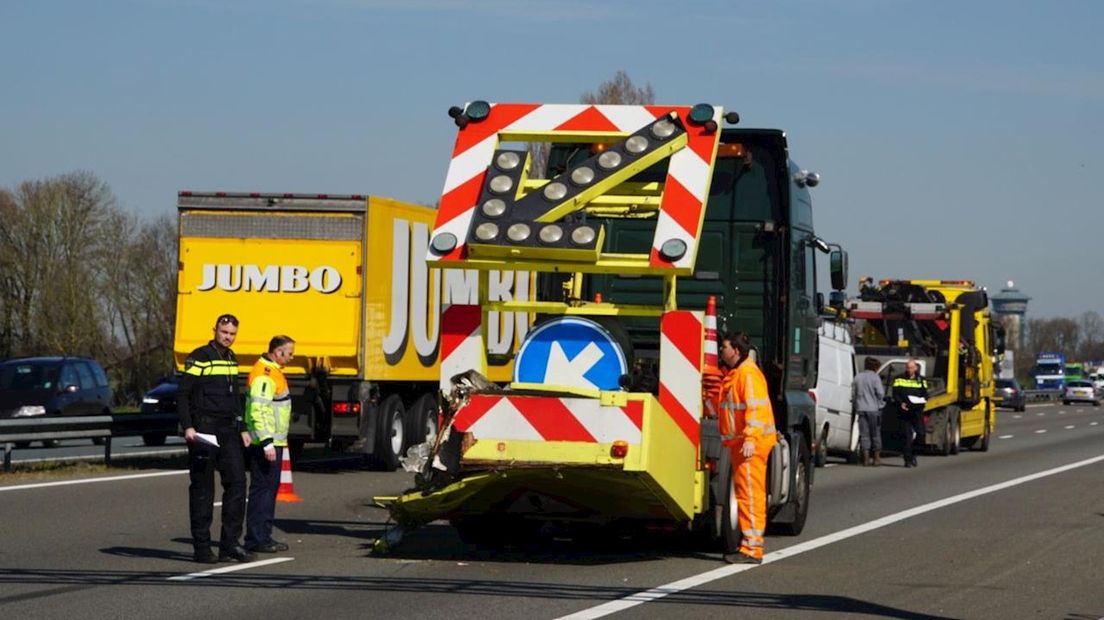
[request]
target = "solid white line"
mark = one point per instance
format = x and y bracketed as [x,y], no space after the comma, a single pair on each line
[727,570]
[229,569]
[1006,437]
[1040,431]
[115,456]
[39,485]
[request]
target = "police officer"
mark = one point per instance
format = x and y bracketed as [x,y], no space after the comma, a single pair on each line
[910,392]
[268,415]
[210,410]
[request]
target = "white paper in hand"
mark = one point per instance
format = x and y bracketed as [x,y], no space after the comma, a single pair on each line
[916,400]
[208,439]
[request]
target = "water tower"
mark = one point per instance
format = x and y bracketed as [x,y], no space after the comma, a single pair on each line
[1010,305]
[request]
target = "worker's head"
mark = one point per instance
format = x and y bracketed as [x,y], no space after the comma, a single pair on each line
[226,330]
[281,349]
[873,363]
[912,367]
[735,347]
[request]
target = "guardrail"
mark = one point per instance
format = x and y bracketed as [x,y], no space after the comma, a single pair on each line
[84,427]
[1042,395]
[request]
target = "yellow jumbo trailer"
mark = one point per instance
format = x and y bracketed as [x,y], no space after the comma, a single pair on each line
[343,276]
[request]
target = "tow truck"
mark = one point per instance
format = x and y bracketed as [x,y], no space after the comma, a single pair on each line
[946,326]
[644,214]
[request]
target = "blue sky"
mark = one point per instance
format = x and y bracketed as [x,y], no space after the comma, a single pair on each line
[954,139]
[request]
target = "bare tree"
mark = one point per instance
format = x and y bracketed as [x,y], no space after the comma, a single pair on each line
[618,90]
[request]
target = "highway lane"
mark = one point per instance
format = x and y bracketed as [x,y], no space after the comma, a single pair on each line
[107,548]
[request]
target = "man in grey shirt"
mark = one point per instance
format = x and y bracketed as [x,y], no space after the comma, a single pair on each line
[869,398]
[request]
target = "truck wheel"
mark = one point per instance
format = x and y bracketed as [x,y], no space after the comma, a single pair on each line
[802,492]
[421,420]
[730,519]
[820,459]
[956,435]
[983,445]
[390,433]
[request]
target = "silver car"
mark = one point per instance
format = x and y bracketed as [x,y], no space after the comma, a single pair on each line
[1081,391]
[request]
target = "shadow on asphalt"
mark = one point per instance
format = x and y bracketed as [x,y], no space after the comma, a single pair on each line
[143,552]
[79,579]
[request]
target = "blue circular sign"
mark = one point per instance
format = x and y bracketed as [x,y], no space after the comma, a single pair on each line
[571,352]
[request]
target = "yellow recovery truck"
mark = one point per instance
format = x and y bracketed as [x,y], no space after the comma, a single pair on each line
[644,210]
[946,326]
[335,273]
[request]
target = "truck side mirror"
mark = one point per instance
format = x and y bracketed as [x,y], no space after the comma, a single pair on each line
[837,265]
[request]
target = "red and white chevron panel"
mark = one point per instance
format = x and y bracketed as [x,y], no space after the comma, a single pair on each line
[680,363]
[545,418]
[686,189]
[461,342]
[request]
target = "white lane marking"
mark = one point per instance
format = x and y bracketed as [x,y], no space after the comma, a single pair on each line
[39,485]
[217,504]
[1006,437]
[1040,431]
[727,570]
[1070,426]
[830,464]
[1064,413]
[1093,423]
[228,569]
[1017,416]
[115,456]
[1040,414]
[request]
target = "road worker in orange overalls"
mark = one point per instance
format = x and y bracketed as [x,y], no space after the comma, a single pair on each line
[746,418]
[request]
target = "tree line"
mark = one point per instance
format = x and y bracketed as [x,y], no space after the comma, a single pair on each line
[1081,338]
[81,276]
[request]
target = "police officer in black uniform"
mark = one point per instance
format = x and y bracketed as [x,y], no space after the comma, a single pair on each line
[210,408]
[910,392]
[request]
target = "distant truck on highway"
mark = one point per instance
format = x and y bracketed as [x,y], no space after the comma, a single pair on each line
[1049,371]
[344,276]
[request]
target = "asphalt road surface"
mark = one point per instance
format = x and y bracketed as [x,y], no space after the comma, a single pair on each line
[1017,532]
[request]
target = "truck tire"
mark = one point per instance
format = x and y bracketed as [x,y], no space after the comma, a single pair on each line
[820,458]
[390,434]
[983,445]
[730,534]
[421,421]
[956,434]
[801,493]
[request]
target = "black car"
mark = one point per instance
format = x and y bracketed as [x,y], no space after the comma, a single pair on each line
[53,386]
[161,399]
[1009,394]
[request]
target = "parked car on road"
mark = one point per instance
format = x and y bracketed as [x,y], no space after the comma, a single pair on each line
[1081,392]
[161,399]
[53,386]
[1009,394]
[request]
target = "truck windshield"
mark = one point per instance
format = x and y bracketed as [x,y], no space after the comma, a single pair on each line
[1048,369]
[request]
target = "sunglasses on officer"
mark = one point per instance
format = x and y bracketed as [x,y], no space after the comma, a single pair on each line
[227,318]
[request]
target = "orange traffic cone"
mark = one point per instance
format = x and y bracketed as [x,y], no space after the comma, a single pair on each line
[711,332]
[286,492]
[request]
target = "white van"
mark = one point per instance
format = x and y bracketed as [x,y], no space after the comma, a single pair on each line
[837,427]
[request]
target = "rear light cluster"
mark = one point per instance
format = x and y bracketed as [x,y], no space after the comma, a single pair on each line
[619,449]
[346,408]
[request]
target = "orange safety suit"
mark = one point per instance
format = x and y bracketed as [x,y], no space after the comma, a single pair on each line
[745,414]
